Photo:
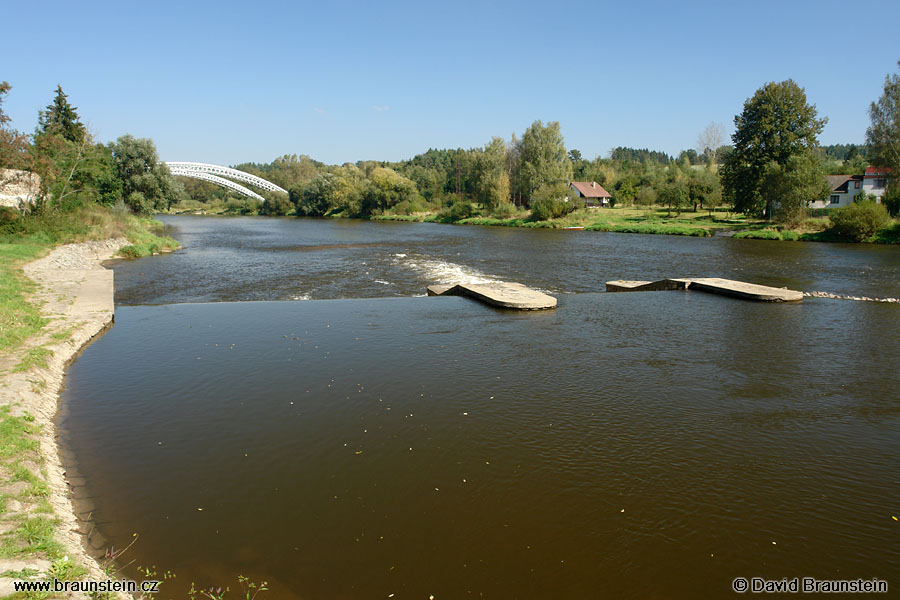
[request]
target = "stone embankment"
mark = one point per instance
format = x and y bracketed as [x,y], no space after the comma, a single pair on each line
[75,295]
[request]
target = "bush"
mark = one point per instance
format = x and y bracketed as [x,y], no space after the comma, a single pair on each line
[543,209]
[891,199]
[459,210]
[410,206]
[859,221]
[139,204]
[504,210]
[550,202]
[278,204]
[246,206]
[10,220]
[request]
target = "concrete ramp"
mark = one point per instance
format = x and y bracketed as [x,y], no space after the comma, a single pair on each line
[502,294]
[713,285]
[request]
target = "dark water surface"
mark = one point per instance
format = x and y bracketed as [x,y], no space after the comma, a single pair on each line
[649,445]
[264,258]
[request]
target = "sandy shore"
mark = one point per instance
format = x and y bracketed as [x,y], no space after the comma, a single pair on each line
[75,293]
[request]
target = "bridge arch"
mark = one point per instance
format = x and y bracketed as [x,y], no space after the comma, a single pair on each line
[217,174]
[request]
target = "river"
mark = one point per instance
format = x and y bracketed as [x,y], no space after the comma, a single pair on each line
[347,438]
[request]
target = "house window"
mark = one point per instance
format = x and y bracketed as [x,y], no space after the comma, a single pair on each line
[835,199]
[856,184]
[879,183]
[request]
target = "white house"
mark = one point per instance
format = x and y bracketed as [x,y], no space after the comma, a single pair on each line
[592,192]
[844,189]
[875,182]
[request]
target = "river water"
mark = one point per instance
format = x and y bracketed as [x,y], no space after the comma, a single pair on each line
[348,439]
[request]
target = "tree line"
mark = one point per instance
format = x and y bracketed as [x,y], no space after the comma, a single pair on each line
[773,168]
[75,170]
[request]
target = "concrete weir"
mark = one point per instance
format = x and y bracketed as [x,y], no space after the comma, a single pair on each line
[502,294]
[713,285]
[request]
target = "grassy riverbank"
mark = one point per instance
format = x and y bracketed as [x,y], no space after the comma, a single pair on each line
[661,221]
[33,349]
[23,239]
[650,220]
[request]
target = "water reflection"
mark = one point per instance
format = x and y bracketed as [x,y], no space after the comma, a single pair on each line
[624,445]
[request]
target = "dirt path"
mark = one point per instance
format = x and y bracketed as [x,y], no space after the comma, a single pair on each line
[76,295]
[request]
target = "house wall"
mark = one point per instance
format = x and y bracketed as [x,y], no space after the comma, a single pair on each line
[844,198]
[872,190]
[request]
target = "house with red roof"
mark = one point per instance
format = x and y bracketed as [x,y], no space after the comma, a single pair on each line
[592,192]
[875,182]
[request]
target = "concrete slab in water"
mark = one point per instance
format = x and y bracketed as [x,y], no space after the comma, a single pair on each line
[748,291]
[714,285]
[502,294]
[438,290]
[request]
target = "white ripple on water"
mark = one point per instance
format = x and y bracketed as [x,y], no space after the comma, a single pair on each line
[442,271]
[847,297]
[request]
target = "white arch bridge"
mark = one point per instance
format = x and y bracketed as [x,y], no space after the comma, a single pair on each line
[218,174]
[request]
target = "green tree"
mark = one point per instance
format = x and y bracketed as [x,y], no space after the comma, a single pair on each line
[13,145]
[491,178]
[625,192]
[61,119]
[704,189]
[276,204]
[791,187]
[147,184]
[387,189]
[675,195]
[891,200]
[647,196]
[542,158]
[341,190]
[776,124]
[883,135]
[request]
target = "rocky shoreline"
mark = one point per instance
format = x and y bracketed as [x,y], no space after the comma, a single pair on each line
[75,294]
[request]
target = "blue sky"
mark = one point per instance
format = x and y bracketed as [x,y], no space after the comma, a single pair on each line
[341,81]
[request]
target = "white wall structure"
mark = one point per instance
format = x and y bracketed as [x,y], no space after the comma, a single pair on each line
[218,174]
[844,189]
[875,182]
[18,188]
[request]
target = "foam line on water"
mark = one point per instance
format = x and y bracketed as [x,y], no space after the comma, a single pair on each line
[848,297]
[441,271]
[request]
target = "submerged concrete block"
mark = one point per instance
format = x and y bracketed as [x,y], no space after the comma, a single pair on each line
[439,290]
[646,286]
[747,291]
[502,294]
[713,285]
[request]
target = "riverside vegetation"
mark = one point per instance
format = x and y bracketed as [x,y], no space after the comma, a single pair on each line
[764,181]
[79,199]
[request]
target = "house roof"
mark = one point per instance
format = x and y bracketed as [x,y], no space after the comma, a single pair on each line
[876,171]
[838,183]
[591,189]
